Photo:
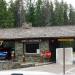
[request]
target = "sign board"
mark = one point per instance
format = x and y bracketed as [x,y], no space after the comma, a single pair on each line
[65,39]
[68,55]
[33,40]
[38,51]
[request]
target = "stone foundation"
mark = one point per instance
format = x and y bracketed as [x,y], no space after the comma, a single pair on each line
[7,65]
[32,58]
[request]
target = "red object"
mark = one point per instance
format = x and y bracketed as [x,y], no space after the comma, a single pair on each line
[47,54]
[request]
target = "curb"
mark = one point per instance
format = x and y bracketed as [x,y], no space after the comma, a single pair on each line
[27,65]
[41,64]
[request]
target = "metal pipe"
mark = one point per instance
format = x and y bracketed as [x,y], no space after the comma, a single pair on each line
[63,61]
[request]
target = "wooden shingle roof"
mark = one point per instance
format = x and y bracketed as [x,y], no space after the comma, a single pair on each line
[38,32]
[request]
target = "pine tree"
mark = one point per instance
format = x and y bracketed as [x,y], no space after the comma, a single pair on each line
[38,14]
[46,13]
[11,15]
[30,13]
[71,16]
[52,15]
[3,13]
[59,13]
[19,13]
[66,19]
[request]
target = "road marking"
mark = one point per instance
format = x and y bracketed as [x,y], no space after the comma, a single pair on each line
[69,71]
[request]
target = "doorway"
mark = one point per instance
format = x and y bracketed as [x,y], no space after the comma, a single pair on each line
[53,44]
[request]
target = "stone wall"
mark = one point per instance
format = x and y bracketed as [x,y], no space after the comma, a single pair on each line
[19,51]
[43,45]
[7,65]
[30,57]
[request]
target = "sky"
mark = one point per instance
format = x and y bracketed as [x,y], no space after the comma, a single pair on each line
[68,1]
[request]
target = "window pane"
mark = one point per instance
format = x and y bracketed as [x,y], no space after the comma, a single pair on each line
[32,47]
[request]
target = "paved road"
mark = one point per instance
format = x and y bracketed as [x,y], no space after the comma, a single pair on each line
[53,68]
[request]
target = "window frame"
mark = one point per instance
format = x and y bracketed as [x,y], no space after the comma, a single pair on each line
[32,43]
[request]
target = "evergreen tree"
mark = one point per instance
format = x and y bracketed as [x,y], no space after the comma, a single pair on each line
[56,13]
[11,15]
[41,13]
[66,19]
[30,13]
[3,13]
[46,13]
[72,16]
[52,15]
[38,14]
[59,13]
[19,13]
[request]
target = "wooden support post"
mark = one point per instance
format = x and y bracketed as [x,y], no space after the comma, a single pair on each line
[23,53]
[13,55]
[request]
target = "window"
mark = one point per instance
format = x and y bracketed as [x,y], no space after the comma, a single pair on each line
[32,47]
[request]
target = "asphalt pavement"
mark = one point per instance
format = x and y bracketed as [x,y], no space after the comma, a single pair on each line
[52,68]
